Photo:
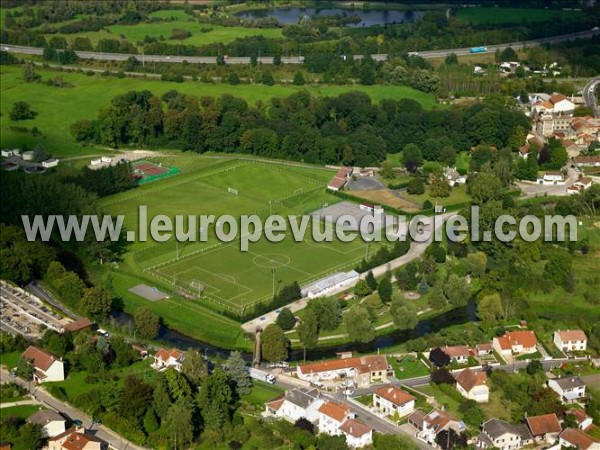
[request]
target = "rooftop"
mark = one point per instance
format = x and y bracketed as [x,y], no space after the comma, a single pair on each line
[337,411]
[39,358]
[541,425]
[468,379]
[355,428]
[395,395]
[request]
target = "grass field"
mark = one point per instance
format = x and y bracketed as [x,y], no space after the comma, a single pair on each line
[21,411]
[502,16]
[58,108]
[407,368]
[262,393]
[233,278]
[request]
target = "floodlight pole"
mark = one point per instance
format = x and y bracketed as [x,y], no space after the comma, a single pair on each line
[273,274]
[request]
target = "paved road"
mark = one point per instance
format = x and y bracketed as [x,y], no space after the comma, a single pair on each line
[291,59]
[102,432]
[44,295]
[589,95]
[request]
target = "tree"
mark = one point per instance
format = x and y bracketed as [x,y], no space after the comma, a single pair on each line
[438,184]
[286,319]
[490,308]
[358,325]
[216,400]
[96,303]
[150,421]
[274,344]
[416,186]
[535,366]
[457,290]
[146,322]
[194,367]
[233,79]
[178,424]
[25,369]
[177,384]
[362,288]
[411,156]
[135,398]
[308,331]
[327,442]
[385,290]
[21,111]
[30,436]
[328,312]
[29,74]
[267,78]
[404,314]
[477,264]
[440,359]
[371,280]
[450,439]
[238,373]
[299,79]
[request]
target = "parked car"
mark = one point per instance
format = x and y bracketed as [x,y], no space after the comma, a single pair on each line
[348,392]
[270,378]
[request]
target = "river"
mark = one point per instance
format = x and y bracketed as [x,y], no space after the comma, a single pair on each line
[456,316]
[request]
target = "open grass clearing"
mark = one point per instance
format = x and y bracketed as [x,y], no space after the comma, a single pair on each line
[59,108]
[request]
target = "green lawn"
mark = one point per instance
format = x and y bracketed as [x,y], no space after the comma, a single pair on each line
[58,108]
[442,398]
[503,16]
[10,360]
[407,368]
[21,411]
[262,393]
[457,195]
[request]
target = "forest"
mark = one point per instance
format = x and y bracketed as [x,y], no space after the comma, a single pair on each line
[347,129]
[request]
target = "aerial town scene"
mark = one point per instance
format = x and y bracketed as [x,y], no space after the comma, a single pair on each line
[290,224]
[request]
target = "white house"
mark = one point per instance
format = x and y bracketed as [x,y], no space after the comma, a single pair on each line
[362,371]
[331,417]
[357,434]
[573,437]
[75,439]
[544,428]
[561,105]
[473,385]
[570,340]
[51,422]
[552,179]
[163,359]
[47,367]
[296,404]
[340,178]
[457,353]
[50,163]
[583,420]
[391,401]
[583,183]
[496,433]
[570,389]
[515,342]
[430,425]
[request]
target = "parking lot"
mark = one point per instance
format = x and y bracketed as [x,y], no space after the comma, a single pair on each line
[25,314]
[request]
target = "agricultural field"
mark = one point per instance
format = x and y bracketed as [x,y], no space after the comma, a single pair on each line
[58,108]
[504,16]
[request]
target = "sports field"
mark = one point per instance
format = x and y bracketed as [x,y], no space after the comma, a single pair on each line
[220,273]
[58,108]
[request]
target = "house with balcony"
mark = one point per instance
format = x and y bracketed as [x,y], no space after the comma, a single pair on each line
[393,401]
[570,389]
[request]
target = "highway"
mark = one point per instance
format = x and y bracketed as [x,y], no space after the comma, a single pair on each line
[291,59]
[589,96]
[100,431]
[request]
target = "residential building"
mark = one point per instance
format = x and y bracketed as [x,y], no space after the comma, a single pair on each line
[552,179]
[496,433]
[77,325]
[515,342]
[163,359]
[430,425]
[587,161]
[583,183]
[544,428]
[391,401]
[484,349]
[570,340]
[340,179]
[52,423]
[47,367]
[331,417]
[362,371]
[570,389]
[473,385]
[583,420]
[296,404]
[457,353]
[75,439]
[573,437]
[357,434]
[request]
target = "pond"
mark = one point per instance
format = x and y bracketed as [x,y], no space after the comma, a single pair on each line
[369,17]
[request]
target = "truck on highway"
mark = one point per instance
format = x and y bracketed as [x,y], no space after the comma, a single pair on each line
[478,49]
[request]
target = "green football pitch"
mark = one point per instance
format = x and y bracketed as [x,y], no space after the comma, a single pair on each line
[219,272]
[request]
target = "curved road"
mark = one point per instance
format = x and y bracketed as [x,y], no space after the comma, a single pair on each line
[291,59]
[589,96]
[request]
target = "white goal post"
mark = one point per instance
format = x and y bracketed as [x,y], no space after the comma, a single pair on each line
[233,191]
[197,287]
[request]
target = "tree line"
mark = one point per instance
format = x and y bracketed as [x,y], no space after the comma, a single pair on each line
[348,129]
